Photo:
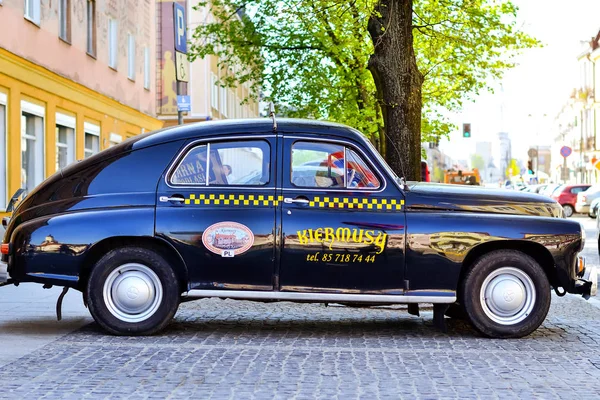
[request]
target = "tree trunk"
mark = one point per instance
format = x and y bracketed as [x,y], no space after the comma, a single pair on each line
[398,81]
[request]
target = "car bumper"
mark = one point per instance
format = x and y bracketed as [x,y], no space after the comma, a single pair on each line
[587,284]
[4,277]
[582,208]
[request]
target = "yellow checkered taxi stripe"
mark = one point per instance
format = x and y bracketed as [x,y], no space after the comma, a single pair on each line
[255,200]
[234,200]
[363,203]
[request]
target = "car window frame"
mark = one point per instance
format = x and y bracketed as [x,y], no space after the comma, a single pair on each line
[269,185]
[345,144]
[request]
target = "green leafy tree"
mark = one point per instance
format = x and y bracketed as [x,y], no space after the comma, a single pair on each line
[381,66]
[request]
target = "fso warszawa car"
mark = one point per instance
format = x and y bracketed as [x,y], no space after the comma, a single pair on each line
[287,210]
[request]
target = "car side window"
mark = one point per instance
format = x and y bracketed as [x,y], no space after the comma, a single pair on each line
[192,170]
[319,165]
[577,190]
[239,163]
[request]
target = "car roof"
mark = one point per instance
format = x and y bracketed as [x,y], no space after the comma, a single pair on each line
[232,127]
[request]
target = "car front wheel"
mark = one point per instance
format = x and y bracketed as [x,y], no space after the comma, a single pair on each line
[506,294]
[568,209]
[132,291]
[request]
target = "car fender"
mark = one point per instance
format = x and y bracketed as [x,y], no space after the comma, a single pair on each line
[53,249]
[444,245]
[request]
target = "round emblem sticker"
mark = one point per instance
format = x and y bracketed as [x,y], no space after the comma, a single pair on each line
[228,239]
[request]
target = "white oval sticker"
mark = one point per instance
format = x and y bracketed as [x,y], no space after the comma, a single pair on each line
[228,239]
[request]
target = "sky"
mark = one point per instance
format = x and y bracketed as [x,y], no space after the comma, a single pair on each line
[538,86]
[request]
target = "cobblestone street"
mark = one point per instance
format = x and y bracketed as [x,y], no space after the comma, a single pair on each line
[234,349]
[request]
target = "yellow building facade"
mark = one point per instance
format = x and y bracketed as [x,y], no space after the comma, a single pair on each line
[28,91]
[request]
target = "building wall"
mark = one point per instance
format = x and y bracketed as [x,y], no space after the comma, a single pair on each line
[60,101]
[41,44]
[29,92]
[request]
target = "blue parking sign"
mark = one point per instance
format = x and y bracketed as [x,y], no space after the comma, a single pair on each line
[180,28]
[183,103]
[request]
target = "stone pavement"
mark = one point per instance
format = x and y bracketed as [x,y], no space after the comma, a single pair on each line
[237,350]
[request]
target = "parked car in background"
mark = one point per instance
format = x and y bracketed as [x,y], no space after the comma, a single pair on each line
[584,199]
[566,196]
[549,189]
[593,213]
[535,188]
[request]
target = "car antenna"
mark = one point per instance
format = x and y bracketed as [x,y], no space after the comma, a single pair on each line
[272,115]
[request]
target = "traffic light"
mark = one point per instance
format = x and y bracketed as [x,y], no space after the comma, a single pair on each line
[529,167]
[467,130]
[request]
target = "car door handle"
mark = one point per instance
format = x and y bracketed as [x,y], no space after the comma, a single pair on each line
[289,200]
[178,199]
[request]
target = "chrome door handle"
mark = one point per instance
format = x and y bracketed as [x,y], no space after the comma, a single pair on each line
[166,199]
[289,200]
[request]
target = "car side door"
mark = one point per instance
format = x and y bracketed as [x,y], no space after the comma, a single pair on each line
[343,223]
[216,205]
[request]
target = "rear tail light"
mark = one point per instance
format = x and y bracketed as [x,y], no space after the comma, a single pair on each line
[5,248]
[583,198]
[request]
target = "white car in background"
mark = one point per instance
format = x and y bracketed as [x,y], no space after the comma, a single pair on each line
[585,198]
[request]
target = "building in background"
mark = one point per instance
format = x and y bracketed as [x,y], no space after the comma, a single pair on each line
[208,99]
[75,78]
[577,122]
[503,153]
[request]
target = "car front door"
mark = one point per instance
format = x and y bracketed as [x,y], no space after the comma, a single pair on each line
[342,221]
[216,205]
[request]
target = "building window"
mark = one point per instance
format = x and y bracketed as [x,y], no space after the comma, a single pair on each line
[65,140]
[224,101]
[32,146]
[214,91]
[146,68]
[64,20]
[115,139]
[92,139]
[131,57]
[112,43]
[91,27]
[32,11]
[3,154]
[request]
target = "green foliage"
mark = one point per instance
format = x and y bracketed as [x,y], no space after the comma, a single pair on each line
[310,56]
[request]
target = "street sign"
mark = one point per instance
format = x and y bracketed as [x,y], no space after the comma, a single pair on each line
[182,67]
[180,28]
[183,103]
[565,151]
[597,165]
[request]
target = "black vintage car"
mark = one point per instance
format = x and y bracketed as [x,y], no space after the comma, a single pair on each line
[295,211]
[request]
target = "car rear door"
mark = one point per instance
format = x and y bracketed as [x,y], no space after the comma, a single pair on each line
[343,231]
[216,205]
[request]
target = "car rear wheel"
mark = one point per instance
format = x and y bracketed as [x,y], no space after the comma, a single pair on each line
[506,294]
[568,209]
[132,291]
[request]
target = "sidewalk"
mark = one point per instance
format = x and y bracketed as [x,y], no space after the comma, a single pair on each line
[28,318]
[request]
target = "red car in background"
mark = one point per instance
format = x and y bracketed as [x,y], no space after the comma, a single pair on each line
[566,195]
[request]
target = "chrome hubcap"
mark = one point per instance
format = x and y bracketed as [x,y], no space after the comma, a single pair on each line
[132,292]
[507,296]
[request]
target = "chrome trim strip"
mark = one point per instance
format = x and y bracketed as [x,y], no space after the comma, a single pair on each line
[353,147]
[207,175]
[212,139]
[318,297]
